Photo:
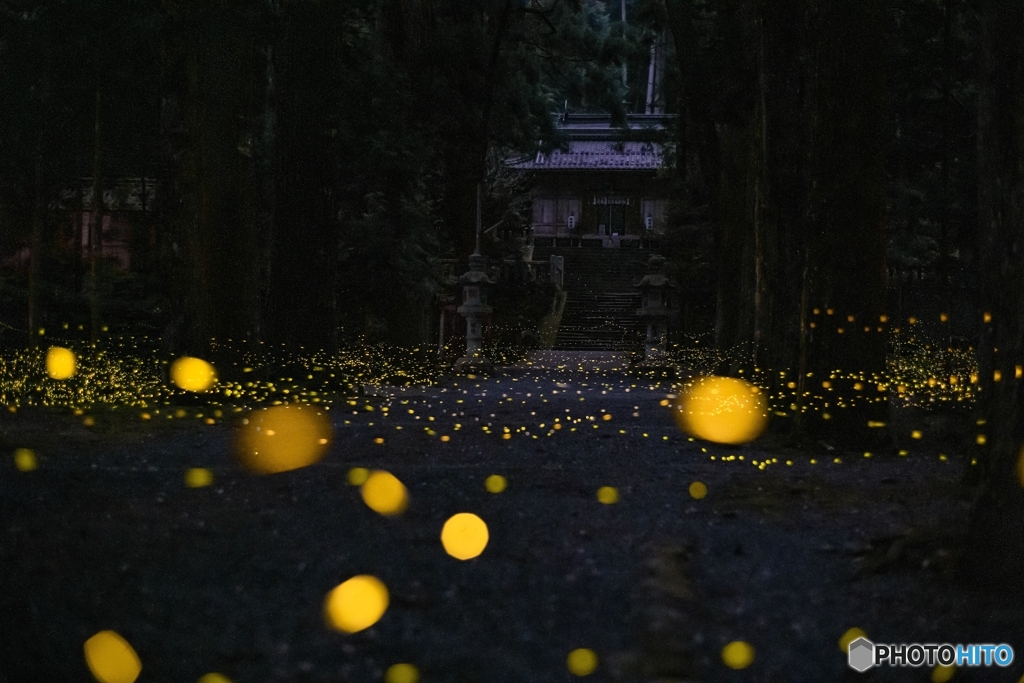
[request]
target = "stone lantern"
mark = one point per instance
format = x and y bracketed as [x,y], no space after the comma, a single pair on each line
[656,308]
[474,308]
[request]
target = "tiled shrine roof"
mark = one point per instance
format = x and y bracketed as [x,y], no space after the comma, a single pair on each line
[592,154]
[594,144]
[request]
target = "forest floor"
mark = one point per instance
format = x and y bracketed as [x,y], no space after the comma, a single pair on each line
[232,577]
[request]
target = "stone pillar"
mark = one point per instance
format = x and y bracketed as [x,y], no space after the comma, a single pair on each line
[655,309]
[474,309]
[556,271]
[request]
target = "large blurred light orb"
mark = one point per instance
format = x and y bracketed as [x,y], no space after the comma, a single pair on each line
[581,662]
[402,673]
[111,659]
[738,654]
[495,483]
[213,677]
[60,362]
[357,476]
[464,536]
[283,438]
[192,374]
[849,636]
[356,604]
[608,495]
[1020,467]
[25,459]
[198,477]
[384,493]
[722,410]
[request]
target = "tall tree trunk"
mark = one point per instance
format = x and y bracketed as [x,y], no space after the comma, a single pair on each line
[944,241]
[699,140]
[264,152]
[780,196]
[996,552]
[305,221]
[220,214]
[735,242]
[846,251]
[96,229]
[36,246]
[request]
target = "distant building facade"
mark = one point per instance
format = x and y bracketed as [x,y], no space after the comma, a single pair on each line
[123,205]
[604,189]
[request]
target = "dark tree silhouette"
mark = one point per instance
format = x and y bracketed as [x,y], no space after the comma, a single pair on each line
[996,555]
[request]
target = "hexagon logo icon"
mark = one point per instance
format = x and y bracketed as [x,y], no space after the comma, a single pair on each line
[861,654]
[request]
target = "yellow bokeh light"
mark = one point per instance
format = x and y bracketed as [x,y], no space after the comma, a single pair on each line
[495,483]
[581,662]
[356,604]
[1020,467]
[698,490]
[464,536]
[723,410]
[60,362]
[943,674]
[111,659]
[198,477]
[738,654]
[214,677]
[384,493]
[357,476]
[402,673]
[608,495]
[849,636]
[25,459]
[283,438]
[192,374]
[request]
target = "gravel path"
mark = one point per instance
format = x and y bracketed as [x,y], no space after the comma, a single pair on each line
[232,577]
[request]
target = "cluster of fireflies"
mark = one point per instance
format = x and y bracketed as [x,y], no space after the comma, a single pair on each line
[132,372]
[285,426]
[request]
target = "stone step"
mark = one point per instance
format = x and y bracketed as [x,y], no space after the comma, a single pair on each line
[601,300]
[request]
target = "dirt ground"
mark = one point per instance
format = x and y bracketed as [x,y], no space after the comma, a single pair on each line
[232,577]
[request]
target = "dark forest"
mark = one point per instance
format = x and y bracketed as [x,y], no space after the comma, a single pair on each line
[699,234]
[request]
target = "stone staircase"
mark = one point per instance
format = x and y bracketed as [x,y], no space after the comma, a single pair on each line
[601,302]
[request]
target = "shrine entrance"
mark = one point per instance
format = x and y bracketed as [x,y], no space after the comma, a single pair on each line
[610,216]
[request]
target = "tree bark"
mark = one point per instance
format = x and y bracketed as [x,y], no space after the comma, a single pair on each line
[220,214]
[846,238]
[36,246]
[780,194]
[305,226]
[995,555]
[96,229]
